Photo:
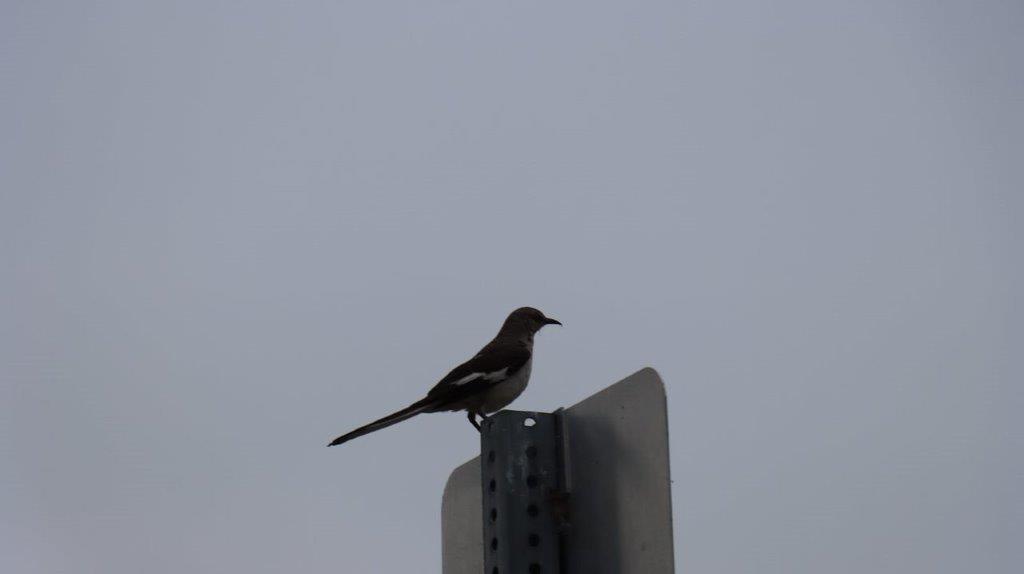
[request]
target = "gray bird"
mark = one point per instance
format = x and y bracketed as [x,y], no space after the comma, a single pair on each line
[489,381]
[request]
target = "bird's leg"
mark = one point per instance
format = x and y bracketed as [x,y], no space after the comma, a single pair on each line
[472,420]
[483,419]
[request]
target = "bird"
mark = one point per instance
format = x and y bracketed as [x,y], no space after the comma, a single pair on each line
[484,384]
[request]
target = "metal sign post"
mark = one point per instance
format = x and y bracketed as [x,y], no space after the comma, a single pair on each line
[521,482]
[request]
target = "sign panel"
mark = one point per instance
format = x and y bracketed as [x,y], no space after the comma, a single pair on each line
[620,504]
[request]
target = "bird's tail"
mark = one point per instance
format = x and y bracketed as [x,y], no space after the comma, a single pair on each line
[397,417]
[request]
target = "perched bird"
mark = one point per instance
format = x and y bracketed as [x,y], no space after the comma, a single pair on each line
[493,378]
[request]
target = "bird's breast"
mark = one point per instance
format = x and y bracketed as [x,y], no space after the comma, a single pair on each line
[506,391]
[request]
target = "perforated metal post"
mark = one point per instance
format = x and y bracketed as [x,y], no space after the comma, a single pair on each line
[523,491]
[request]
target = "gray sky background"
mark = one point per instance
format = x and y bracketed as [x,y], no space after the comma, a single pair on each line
[230,231]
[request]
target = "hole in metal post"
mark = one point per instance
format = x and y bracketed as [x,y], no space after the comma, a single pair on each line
[531,451]
[493,485]
[534,540]
[494,544]
[532,510]
[531,481]
[494,570]
[534,568]
[494,514]
[529,422]
[490,456]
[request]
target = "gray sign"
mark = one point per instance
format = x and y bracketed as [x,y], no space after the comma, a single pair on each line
[620,505]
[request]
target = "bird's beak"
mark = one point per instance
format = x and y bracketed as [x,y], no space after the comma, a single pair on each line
[550,321]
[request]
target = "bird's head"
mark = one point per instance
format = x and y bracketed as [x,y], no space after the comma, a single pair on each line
[528,318]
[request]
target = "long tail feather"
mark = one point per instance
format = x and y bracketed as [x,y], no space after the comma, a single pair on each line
[406,413]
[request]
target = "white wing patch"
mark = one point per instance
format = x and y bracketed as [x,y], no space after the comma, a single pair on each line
[495,376]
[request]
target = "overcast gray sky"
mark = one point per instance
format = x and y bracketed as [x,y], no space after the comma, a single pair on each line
[230,231]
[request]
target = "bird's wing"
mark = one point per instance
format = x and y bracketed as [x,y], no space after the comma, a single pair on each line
[486,369]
